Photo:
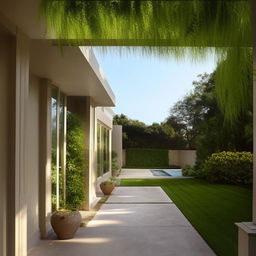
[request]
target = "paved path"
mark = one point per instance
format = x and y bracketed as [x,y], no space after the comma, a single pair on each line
[135,221]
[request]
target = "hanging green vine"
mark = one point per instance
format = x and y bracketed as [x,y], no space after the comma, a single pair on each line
[184,29]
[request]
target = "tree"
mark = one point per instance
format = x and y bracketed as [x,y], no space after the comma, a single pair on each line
[137,134]
[201,122]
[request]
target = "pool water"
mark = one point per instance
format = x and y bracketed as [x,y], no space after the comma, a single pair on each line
[167,172]
[174,172]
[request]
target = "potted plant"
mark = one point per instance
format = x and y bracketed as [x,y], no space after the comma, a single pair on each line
[108,186]
[66,220]
[65,223]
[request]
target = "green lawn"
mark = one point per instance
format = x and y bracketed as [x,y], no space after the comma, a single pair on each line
[211,208]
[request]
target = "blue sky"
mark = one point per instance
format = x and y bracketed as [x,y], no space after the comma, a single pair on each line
[145,86]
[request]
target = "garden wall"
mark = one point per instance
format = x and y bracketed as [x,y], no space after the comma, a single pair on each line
[182,157]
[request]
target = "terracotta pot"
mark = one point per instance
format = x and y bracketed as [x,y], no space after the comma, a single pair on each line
[107,188]
[65,224]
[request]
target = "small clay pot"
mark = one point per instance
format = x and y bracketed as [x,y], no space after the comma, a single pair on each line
[107,188]
[65,224]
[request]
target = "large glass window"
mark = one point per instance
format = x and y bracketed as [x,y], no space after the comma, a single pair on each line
[103,149]
[58,153]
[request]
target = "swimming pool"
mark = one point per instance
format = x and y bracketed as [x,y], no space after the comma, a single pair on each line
[167,172]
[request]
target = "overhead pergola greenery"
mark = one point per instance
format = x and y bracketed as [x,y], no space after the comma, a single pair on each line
[189,28]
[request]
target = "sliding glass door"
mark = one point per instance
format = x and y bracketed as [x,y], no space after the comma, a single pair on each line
[103,149]
[58,153]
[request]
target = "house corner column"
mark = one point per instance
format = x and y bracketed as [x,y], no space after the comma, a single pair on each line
[90,175]
[20,150]
[45,159]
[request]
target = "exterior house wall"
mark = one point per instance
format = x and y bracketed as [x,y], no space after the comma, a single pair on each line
[33,161]
[21,134]
[25,134]
[117,142]
[6,66]
[92,154]
[14,71]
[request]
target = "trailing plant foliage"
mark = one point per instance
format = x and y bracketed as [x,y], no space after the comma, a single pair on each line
[175,23]
[164,28]
[234,82]
[229,167]
[76,162]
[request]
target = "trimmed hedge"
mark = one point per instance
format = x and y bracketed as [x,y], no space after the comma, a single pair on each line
[229,167]
[151,158]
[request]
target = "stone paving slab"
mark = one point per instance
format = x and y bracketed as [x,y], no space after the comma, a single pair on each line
[139,215]
[137,174]
[138,195]
[128,241]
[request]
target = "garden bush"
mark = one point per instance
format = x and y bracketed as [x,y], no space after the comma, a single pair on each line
[188,170]
[229,167]
[144,158]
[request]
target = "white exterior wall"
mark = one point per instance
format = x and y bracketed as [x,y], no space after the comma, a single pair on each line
[21,146]
[14,72]
[5,85]
[25,136]
[33,161]
[117,142]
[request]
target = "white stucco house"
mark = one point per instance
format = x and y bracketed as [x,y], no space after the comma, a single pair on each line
[39,83]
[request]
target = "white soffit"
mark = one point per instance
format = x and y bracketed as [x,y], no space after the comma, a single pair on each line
[69,69]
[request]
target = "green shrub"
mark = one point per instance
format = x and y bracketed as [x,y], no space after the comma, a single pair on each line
[76,162]
[146,157]
[228,167]
[188,170]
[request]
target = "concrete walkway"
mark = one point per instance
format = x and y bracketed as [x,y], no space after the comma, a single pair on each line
[135,221]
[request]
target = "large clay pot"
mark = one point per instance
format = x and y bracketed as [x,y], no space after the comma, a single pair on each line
[65,223]
[107,188]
